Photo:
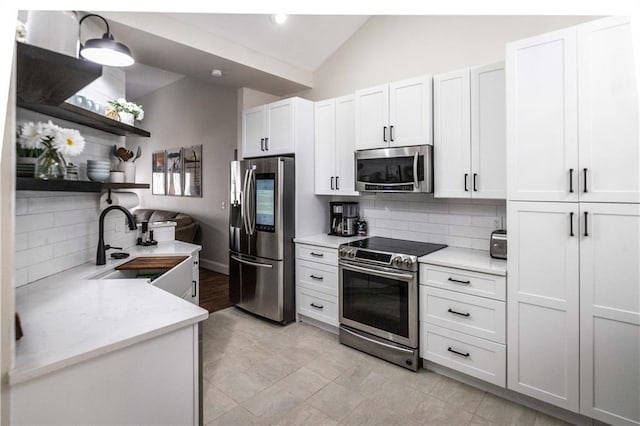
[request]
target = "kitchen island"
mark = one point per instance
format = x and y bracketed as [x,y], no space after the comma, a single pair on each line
[106,351]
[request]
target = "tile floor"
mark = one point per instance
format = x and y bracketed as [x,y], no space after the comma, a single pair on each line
[259,373]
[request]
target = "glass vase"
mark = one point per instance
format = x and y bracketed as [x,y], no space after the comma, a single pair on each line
[51,165]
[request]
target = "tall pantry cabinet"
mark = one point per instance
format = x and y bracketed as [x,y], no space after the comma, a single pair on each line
[574,220]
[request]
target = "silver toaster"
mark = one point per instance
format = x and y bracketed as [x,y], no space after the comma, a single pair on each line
[498,244]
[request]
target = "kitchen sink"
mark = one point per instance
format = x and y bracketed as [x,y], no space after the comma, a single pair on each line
[128,274]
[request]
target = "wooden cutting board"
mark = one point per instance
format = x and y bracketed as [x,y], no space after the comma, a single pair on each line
[158,262]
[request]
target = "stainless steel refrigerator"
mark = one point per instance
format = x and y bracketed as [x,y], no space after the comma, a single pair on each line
[261,231]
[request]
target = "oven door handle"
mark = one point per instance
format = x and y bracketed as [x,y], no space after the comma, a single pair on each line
[403,277]
[386,345]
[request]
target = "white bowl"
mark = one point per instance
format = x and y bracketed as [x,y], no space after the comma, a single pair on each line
[98,162]
[99,168]
[98,176]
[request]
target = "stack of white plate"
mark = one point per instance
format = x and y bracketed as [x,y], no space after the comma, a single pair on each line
[98,171]
[25,169]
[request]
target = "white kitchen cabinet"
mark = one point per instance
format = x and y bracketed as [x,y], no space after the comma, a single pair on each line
[542,118]
[469,133]
[610,312]
[334,146]
[608,112]
[269,129]
[542,302]
[572,120]
[452,134]
[317,284]
[394,114]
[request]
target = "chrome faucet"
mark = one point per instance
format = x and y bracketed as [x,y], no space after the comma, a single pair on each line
[102,248]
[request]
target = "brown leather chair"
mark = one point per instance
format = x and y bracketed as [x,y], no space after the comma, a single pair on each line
[187,228]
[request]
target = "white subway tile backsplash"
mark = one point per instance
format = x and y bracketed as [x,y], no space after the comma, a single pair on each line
[28,257]
[21,206]
[22,276]
[50,236]
[391,224]
[456,222]
[33,222]
[447,219]
[73,217]
[21,242]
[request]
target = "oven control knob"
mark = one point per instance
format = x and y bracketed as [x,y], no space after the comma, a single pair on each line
[408,263]
[352,254]
[397,262]
[342,252]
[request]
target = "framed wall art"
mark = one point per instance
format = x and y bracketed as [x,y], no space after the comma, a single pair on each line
[174,171]
[192,161]
[158,166]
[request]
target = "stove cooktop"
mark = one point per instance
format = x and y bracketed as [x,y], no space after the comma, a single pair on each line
[392,245]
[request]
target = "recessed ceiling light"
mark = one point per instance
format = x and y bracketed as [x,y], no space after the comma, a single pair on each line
[216,73]
[279,18]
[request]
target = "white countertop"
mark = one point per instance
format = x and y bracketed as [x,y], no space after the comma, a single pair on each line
[329,241]
[68,317]
[473,260]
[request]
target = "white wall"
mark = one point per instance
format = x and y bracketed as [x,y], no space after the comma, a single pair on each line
[389,48]
[190,112]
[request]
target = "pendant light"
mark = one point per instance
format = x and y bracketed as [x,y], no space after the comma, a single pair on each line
[105,50]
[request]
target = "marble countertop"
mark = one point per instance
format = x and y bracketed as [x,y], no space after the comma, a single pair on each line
[69,318]
[473,260]
[329,241]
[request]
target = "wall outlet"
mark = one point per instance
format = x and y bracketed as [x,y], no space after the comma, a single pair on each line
[224,205]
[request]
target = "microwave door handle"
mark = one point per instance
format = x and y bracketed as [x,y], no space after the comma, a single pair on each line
[415,170]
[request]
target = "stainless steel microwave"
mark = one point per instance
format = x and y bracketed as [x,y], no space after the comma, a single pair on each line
[404,169]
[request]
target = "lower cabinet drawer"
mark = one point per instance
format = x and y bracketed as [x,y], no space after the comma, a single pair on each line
[316,305]
[467,354]
[325,255]
[470,282]
[317,277]
[478,316]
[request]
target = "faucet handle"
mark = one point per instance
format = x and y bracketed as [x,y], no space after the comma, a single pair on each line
[108,247]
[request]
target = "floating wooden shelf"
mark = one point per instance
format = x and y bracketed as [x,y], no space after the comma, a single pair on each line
[46,79]
[31,184]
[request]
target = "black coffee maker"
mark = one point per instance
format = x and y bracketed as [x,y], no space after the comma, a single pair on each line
[343,217]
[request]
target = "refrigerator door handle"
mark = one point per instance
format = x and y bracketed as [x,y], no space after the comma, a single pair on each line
[243,206]
[246,262]
[252,212]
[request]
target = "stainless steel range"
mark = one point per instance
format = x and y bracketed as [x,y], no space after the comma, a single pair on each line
[379,297]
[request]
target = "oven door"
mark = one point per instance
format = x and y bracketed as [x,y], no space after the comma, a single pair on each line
[404,169]
[380,301]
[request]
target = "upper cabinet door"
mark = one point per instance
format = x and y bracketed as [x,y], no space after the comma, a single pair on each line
[488,132]
[452,133]
[542,302]
[345,144]
[542,118]
[325,147]
[253,132]
[372,117]
[280,136]
[410,112]
[608,119]
[610,312]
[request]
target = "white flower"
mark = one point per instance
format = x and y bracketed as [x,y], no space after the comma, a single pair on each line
[21,32]
[68,142]
[31,135]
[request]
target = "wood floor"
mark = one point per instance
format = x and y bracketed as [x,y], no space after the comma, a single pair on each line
[214,290]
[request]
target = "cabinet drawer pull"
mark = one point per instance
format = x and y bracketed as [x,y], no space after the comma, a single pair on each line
[261,144]
[584,171]
[571,180]
[316,254]
[466,178]
[332,183]
[453,280]
[384,134]
[458,313]
[458,353]
[193,289]
[314,305]
[475,178]
[571,234]
[315,277]
[337,183]
[266,144]
[391,133]
[586,224]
